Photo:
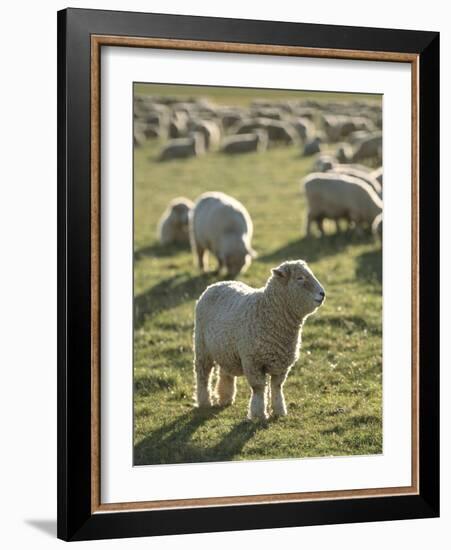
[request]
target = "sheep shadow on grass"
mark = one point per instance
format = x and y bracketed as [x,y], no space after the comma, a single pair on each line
[312,249]
[172,443]
[168,294]
[158,250]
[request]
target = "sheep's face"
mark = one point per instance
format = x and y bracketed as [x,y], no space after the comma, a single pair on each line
[180,213]
[304,292]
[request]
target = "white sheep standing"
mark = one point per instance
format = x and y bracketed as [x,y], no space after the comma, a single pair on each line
[255,333]
[174,223]
[336,196]
[222,225]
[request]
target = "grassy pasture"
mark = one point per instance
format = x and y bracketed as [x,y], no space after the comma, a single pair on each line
[334,392]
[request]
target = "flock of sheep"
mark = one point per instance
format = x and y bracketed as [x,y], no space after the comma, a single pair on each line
[247,331]
[196,126]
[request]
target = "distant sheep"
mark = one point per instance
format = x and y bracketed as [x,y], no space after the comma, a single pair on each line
[174,223]
[245,143]
[336,196]
[254,333]
[222,225]
[182,148]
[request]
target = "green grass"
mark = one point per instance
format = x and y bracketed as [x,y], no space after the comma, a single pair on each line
[333,393]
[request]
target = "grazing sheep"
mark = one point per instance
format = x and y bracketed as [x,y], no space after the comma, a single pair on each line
[222,225]
[245,143]
[174,223]
[336,196]
[255,333]
[182,148]
[312,147]
[368,147]
[377,226]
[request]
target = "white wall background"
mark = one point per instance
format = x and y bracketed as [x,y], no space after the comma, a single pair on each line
[28,271]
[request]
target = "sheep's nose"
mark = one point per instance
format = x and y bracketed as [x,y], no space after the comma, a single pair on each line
[322,293]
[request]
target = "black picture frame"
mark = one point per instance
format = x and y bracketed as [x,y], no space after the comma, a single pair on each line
[76,521]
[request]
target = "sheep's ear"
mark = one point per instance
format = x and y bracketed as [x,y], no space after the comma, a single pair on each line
[280,272]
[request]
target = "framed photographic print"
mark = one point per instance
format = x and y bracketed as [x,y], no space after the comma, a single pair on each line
[248,274]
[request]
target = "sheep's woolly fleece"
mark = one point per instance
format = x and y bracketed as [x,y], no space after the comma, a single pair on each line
[255,333]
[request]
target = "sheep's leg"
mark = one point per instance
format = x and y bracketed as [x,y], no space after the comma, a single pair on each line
[220,267]
[277,399]
[225,389]
[200,258]
[257,404]
[203,366]
[337,226]
[319,222]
